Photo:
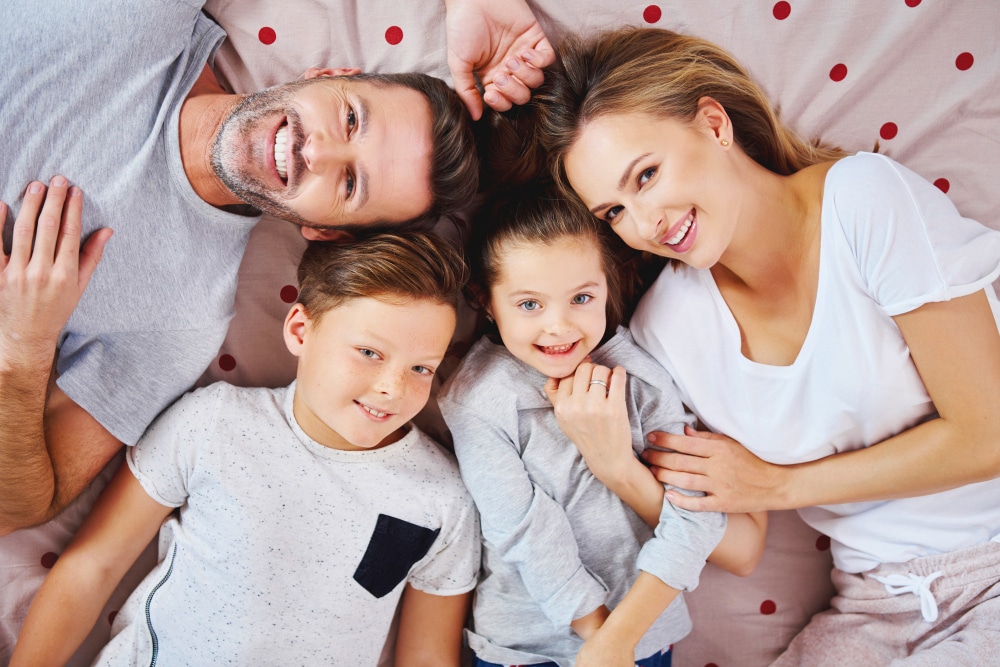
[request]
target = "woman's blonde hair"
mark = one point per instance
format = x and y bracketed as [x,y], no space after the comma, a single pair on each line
[663,74]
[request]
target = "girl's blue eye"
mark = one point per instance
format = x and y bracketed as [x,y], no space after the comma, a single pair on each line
[581,299]
[529,305]
[612,213]
[646,175]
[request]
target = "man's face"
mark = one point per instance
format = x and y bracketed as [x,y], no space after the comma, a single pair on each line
[329,152]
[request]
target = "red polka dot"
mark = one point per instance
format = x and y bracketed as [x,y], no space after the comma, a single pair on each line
[267,35]
[942,184]
[781,10]
[289,294]
[394,35]
[912,3]
[839,72]
[111,617]
[652,14]
[767,607]
[49,559]
[227,362]
[964,61]
[888,131]
[822,543]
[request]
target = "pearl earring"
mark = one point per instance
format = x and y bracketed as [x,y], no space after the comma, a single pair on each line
[724,142]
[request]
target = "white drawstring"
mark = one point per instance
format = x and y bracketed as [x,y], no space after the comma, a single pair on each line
[897,584]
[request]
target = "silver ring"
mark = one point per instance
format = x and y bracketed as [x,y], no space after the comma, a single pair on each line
[600,382]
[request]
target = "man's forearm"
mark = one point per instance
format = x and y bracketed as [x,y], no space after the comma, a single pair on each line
[27,481]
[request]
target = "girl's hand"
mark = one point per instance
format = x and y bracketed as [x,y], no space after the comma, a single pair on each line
[602,650]
[590,409]
[733,479]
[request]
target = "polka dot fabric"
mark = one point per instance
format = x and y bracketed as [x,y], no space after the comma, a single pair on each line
[918,77]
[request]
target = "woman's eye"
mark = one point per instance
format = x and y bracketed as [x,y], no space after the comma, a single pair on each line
[612,213]
[646,175]
[529,305]
[349,184]
[352,120]
[581,299]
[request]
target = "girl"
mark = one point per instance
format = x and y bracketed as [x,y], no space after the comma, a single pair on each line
[560,549]
[837,305]
[305,512]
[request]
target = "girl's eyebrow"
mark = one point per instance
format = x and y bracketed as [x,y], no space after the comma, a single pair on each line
[621,182]
[532,293]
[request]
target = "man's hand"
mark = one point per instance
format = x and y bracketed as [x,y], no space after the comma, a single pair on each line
[43,278]
[501,41]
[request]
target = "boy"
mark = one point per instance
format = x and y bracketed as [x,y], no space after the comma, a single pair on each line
[303,510]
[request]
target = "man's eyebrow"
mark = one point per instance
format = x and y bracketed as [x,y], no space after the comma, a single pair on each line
[362,175]
[621,182]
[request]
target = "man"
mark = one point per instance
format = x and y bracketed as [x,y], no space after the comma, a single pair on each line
[115,99]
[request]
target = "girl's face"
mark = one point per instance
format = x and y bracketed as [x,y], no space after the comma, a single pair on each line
[549,302]
[660,184]
[365,368]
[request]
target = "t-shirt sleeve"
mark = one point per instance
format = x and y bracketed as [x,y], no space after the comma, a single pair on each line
[452,566]
[911,244]
[682,540]
[528,528]
[125,379]
[165,458]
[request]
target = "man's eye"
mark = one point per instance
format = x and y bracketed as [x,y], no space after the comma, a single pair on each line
[352,120]
[349,184]
[529,305]
[581,299]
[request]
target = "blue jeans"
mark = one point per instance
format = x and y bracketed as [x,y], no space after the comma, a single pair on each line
[661,659]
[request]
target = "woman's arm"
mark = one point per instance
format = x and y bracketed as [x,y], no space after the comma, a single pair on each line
[430,629]
[955,346]
[121,524]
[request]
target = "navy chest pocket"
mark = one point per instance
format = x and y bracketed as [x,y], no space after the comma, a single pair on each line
[394,547]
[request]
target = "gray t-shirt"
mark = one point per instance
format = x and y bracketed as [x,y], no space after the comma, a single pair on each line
[92,91]
[556,542]
[286,552]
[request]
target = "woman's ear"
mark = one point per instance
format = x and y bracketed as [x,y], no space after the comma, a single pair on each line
[713,118]
[297,324]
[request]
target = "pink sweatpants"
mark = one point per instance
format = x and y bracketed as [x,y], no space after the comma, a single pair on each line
[869,627]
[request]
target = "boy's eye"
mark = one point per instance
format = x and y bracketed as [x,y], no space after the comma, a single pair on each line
[423,370]
[581,299]
[612,213]
[529,305]
[368,354]
[646,175]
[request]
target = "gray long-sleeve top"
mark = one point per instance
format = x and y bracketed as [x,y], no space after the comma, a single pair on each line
[556,542]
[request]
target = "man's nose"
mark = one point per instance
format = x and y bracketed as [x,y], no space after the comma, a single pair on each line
[322,152]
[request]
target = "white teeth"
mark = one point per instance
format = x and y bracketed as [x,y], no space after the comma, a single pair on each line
[557,349]
[373,411]
[676,238]
[280,139]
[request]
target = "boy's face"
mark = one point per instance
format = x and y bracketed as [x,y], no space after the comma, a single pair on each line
[365,368]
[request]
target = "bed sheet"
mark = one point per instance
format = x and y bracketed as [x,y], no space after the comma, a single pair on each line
[920,77]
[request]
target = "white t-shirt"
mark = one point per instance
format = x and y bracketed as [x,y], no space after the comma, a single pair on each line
[286,551]
[890,243]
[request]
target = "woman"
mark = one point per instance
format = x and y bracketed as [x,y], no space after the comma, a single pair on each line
[817,306]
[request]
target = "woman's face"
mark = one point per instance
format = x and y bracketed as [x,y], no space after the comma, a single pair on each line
[658,182]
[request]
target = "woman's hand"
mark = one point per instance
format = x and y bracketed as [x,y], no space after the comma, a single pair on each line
[733,479]
[590,408]
[602,650]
